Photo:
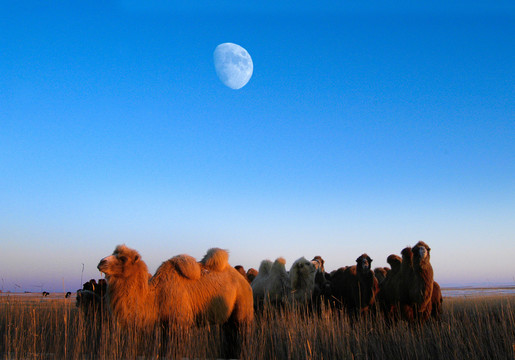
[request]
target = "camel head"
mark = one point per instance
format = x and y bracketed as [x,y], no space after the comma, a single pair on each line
[319,263]
[303,266]
[302,277]
[364,263]
[421,252]
[394,261]
[124,262]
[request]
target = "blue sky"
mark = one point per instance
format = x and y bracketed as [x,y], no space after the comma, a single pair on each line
[364,128]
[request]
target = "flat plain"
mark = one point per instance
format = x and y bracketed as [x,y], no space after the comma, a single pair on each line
[471,327]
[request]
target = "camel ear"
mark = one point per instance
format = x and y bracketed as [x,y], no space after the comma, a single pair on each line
[136,258]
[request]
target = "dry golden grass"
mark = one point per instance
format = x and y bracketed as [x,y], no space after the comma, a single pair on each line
[471,328]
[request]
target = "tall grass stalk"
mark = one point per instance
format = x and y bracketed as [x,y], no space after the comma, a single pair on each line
[472,328]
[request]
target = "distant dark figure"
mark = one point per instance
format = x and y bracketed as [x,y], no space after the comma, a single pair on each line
[404,284]
[436,301]
[415,290]
[102,287]
[251,274]
[421,289]
[387,297]
[322,290]
[241,270]
[319,263]
[90,285]
[380,273]
[90,299]
[45,293]
[68,294]
[355,287]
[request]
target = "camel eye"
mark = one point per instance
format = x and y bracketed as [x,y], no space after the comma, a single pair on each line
[123,259]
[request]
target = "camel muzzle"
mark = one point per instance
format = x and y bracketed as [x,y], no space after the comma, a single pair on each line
[101,264]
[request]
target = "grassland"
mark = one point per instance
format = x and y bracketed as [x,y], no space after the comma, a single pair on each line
[470,328]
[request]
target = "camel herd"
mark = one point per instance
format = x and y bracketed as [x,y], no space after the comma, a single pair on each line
[185,291]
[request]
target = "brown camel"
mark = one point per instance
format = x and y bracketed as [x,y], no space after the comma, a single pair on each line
[182,291]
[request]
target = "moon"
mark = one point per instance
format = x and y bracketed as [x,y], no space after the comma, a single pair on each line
[233,65]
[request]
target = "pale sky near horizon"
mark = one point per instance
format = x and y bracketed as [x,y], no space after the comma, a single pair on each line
[364,128]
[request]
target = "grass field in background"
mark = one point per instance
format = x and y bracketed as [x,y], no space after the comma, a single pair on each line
[32,327]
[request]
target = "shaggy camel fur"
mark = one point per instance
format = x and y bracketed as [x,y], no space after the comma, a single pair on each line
[302,280]
[415,287]
[387,296]
[403,284]
[241,270]
[182,291]
[272,282]
[91,297]
[436,301]
[319,263]
[380,273]
[421,289]
[356,286]
[322,289]
[251,274]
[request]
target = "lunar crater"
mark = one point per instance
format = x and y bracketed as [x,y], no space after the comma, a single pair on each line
[233,65]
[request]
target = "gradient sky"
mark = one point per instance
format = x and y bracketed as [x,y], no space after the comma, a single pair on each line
[364,128]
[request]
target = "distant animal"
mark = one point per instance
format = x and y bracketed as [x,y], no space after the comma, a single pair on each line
[90,285]
[251,274]
[68,294]
[387,297]
[182,291]
[436,301]
[91,298]
[380,273]
[45,293]
[241,270]
[319,263]
[421,289]
[404,284]
[322,290]
[302,280]
[272,284]
[355,287]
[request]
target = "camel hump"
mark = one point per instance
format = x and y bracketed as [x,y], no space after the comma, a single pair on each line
[186,266]
[393,259]
[278,266]
[280,260]
[265,267]
[216,259]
